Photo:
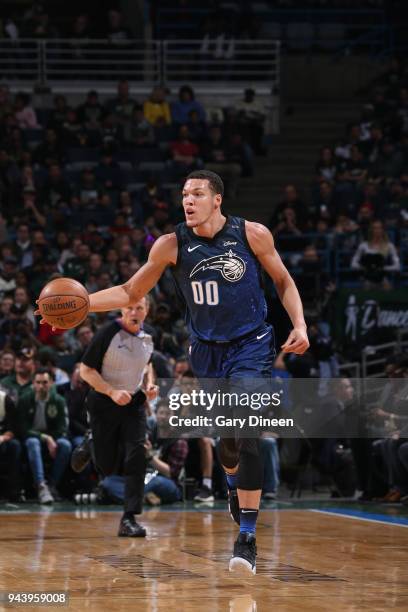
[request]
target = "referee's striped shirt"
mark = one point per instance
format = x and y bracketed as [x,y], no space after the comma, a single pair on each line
[119,355]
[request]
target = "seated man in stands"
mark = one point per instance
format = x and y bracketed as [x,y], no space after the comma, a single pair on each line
[10,449]
[42,420]
[20,381]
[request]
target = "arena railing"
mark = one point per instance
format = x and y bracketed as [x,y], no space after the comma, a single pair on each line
[326,29]
[242,63]
[54,62]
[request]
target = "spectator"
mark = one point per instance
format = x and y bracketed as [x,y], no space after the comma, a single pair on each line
[108,172]
[42,414]
[56,187]
[290,199]
[156,109]
[20,381]
[23,245]
[138,130]
[117,32]
[252,116]
[8,275]
[22,300]
[59,113]
[375,257]
[122,106]
[50,151]
[184,152]
[216,157]
[90,114]
[7,363]
[186,103]
[288,233]
[25,114]
[326,167]
[81,28]
[48,360]
[10,449]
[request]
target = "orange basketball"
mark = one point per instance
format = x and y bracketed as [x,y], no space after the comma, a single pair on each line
[64,303]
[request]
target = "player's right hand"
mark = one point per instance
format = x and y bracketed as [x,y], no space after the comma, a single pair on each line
[120,397]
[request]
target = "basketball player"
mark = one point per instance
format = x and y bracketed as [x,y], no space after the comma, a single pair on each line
[216,261]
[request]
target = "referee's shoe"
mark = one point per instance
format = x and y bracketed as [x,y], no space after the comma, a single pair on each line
[129,528]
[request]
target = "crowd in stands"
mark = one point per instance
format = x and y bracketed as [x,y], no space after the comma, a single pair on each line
[357,216]
[44,20]
[86,191]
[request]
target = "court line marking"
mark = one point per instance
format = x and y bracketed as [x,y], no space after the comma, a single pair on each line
[385,521]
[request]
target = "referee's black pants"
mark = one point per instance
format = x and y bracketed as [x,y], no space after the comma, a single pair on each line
[119,434]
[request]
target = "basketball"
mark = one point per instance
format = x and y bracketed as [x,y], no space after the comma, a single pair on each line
[64,303]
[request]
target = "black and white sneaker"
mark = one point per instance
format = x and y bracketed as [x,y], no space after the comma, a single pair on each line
[129,528]
[204,495]
[243,561]
[82,454]
[233,505]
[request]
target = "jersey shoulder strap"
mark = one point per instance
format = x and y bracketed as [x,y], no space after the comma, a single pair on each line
[182,239]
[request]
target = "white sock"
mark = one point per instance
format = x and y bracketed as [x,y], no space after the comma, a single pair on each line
[207,482]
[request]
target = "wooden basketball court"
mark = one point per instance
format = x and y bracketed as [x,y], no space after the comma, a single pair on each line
[307,560]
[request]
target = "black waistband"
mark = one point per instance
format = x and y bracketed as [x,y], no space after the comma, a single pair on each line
[229,342]
[138,398]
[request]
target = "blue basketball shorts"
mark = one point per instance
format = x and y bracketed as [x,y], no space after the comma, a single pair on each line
[250,356]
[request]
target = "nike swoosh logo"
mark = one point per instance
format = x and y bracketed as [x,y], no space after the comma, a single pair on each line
[189,249]
[262,335]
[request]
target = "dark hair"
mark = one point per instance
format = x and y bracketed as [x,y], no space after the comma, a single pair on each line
[43,371]
[186,89]
[188,374]
[214,180]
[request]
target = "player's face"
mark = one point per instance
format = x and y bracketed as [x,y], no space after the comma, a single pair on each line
[133,316]
[199,202]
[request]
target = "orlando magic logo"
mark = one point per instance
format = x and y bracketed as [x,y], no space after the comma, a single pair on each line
[231,266]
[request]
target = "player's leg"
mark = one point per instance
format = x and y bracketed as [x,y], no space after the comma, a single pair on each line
[250,362]
[228,454]
[249,489]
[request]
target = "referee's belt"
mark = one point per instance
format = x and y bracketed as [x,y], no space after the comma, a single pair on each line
[138,397]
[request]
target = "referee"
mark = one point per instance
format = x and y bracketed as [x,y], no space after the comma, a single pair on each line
[114,366]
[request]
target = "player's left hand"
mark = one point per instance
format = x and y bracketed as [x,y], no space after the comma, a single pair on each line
[152,392]
[42,321]
[297,341]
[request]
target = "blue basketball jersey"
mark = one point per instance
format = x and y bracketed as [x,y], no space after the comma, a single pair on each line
[219,280]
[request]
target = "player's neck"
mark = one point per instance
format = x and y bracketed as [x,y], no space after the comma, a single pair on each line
[210,227]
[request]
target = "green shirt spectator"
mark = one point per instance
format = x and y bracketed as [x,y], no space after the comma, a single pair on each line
[38,417]
[20,381]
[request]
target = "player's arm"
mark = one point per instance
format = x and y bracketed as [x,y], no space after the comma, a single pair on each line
[262,244]
[163,253]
